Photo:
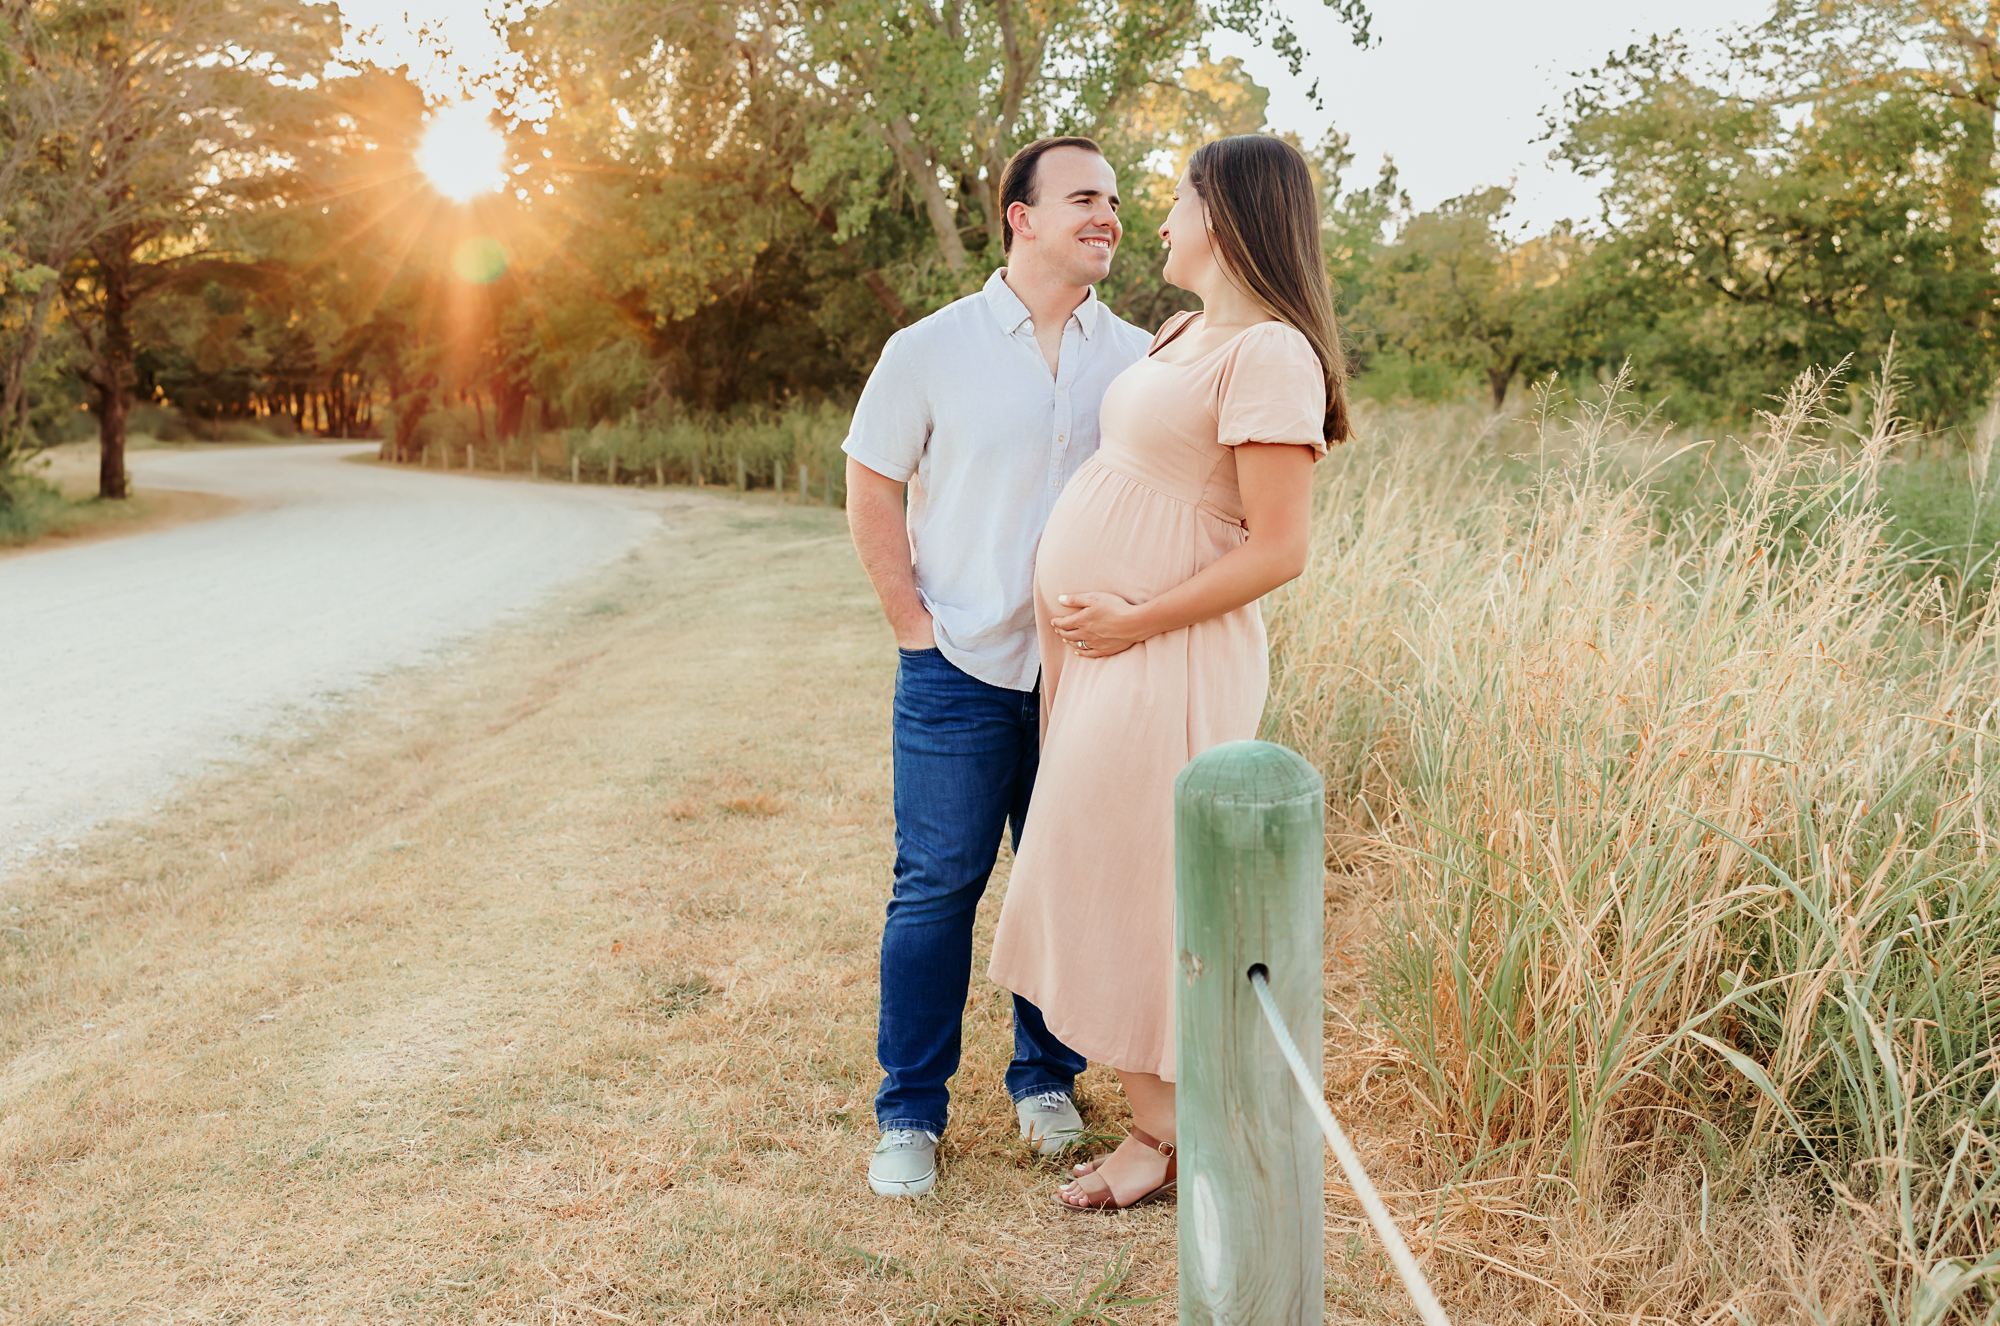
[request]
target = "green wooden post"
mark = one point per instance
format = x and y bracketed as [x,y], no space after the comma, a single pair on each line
[1250,865]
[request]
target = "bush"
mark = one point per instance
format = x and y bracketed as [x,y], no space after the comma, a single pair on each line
[686,447]
[31,508]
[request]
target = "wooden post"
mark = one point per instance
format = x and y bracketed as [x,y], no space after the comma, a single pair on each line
[535,463]
[468,455]
[575,469]
[1250,867]
[742,475]
[778,479]
[614,470]
[694,470]
[805,492]
[660,472]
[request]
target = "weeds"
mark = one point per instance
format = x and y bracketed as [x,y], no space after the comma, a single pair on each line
[1091,1303]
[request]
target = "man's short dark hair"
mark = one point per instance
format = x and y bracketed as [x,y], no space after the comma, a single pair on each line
[1018,183]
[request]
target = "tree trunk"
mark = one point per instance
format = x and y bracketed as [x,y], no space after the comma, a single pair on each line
[111,446]
[14,392]
[114,366]
[917,165]
[1497,380]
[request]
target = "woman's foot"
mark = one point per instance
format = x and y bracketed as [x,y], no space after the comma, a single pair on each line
[1137,1170]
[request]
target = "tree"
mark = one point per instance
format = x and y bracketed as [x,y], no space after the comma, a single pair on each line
[940,94]
[1749,237]
[1832,52]
[158,122]
[1455,288]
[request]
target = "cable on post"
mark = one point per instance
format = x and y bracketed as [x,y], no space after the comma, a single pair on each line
[1350,1164]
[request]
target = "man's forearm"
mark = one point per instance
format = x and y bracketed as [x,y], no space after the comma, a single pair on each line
[882,542]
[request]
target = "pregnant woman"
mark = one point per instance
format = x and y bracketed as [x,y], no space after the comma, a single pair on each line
[1196,504]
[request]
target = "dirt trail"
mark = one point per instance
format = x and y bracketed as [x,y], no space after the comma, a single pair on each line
[127,664]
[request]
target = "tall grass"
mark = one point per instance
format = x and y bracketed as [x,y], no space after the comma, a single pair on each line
[1690,823]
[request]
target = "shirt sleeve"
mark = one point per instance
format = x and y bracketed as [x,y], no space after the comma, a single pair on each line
[1273,390]
[892,422]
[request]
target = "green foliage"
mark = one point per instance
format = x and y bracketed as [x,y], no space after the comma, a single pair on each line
[31,508]
[1748,238]
[710,445]
[1456,291]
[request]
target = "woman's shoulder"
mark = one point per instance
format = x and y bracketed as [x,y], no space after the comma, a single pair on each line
[1171,328]
[1276,340]
[1269,354]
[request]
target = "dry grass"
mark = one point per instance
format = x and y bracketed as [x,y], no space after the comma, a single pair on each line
[539,987]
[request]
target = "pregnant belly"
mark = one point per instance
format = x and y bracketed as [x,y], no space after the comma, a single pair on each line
[1113,534]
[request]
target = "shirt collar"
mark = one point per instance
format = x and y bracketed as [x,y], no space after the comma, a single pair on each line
[1012,313]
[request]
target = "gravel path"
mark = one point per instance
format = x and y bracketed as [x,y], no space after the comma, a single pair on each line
[128,664]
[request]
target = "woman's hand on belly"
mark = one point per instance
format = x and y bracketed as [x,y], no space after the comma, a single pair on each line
[1098,625]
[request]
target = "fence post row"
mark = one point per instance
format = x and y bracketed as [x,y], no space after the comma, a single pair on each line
[1249,848]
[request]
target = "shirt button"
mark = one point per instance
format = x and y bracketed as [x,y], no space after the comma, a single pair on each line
[1061,438]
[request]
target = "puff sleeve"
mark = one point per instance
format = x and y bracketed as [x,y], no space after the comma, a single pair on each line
[1272,390]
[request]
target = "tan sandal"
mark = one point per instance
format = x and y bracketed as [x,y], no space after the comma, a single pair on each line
[1107,1200]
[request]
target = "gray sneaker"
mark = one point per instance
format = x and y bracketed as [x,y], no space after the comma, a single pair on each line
[1049,1122]
[904,1163]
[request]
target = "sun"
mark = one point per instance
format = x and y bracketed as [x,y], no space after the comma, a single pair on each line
[462,154]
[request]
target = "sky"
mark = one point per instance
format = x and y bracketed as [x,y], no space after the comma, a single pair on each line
[1454,90]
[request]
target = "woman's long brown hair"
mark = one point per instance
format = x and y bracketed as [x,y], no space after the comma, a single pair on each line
[1263,217]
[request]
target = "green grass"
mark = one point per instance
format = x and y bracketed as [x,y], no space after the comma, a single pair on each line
[32,509]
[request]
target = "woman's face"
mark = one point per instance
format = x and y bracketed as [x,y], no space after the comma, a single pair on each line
[1190,252]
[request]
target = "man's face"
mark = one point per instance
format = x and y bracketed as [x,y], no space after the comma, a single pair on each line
[1073,226]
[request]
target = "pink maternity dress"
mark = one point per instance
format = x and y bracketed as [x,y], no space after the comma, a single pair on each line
[1087,931]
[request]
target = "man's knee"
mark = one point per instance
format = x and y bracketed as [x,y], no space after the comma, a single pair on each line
[936,889]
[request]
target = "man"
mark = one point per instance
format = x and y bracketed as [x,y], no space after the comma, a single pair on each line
[985,409]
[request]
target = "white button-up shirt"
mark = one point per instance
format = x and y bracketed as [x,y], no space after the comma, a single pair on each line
[962,407]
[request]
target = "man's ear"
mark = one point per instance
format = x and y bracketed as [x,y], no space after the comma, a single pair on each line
[1017,217]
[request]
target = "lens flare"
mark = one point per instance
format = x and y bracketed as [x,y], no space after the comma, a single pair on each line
[462,154]
[479,259]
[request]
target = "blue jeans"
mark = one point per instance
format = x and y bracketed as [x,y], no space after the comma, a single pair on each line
[965,757]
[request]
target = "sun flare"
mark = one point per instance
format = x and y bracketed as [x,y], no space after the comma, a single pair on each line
[462,154]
